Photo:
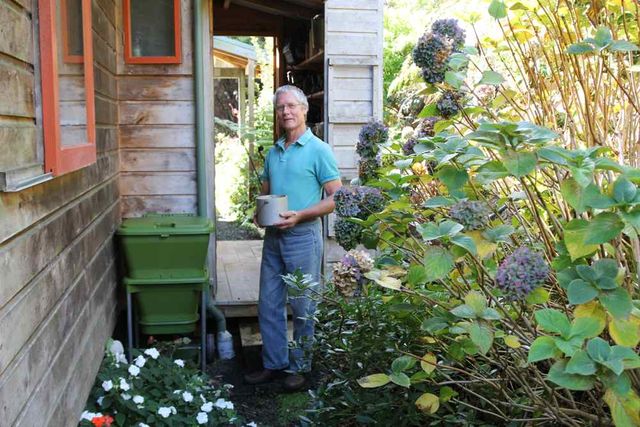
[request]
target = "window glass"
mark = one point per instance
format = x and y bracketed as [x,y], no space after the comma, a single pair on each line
[152,28]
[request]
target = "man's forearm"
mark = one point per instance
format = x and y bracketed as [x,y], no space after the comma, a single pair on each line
[323,207]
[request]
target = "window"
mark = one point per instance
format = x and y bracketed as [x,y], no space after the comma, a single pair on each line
[68,110]
[152,32]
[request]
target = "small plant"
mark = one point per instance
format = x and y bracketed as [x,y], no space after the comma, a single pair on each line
[155,390]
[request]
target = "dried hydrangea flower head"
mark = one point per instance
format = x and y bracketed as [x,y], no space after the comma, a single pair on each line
[425,128]
[371,136]
[431,54]
[451,31]
[347,200]
[473,214]
[521,272]
[348,274]
[449,103]
[368,169]
[347,233]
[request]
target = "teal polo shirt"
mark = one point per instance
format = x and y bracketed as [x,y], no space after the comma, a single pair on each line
[301,170]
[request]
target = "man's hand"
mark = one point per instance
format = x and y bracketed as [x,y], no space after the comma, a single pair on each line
[291,218]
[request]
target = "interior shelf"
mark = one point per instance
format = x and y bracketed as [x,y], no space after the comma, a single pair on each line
[311,63]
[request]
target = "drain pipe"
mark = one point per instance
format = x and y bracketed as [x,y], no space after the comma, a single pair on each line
[213,312]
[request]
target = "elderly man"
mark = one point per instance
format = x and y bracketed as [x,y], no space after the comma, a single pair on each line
[300,165]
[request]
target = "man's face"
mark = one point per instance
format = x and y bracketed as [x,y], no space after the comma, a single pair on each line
[289,112]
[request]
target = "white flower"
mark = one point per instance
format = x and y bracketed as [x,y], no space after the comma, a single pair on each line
[124,385]
[207,407]
[138,399]
[143,425]
[203,399]
[125,396]
[107,385]
[173,410]
[223,404]
[187,397]
[99,400]
[121,358]
[134,370]
[202,418]
[177,391]
[164,412]
[86,415]
[140,361]
[179,362]
[252,424]
[152,352]
[228,386]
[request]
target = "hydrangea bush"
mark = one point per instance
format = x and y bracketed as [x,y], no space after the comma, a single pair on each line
[473,214]
[155,390]
[348,274]
[521,272]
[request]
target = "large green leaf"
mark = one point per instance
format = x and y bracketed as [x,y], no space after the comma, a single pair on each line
[606,267]
[623,46]
[625,409]
[476,301]
[492,78]
[455,79]
[491,171]
[452,177]
[497,9]
[603,228]
[617,302]
[481,336]
[585,327]
[624,191]
[401,379]
[416,275]
[438,262]
[499,233]
[570,346]
[403,363]
[542,348]
[465,311]
[575,235]
[581,364]
[552,320]
[558,376]
[373,381]
[465,242]
[520,163]
[580,48]
[580,292]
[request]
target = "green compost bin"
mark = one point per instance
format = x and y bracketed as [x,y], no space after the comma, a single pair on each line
[171,246]
[167,306]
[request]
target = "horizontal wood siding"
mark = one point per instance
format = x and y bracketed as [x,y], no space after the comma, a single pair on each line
[57,249]
[157,132]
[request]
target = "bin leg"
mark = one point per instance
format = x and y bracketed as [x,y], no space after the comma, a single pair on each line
[129,325]
[203,331]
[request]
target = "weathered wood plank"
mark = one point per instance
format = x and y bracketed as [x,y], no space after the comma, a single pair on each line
[105,83]
[147,88]
[136,206]
[24,257]
[16,33]
[102,26]
[346,157]
[348,109]
[157,136]
[24,209]
[26,371]
[352,44]
[351,72]
[158,160]
[157,112]
[106,111]
[348,89]
[71,88]
[157,183]
[106,138]
[104,54]
[353,4]
[344,135]
[16,87]
[342,20]
[18,146]
[109,9]
[26,4]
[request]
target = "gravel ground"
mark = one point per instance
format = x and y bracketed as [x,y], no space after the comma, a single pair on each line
[231,230]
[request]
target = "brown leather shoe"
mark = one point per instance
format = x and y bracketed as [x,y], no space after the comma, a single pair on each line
[260,377]
[294,382]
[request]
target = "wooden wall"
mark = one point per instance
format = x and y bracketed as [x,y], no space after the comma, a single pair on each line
[57,256]
[157,131]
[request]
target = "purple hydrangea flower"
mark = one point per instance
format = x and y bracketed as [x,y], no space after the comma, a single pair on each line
[407,147]
[371,136]
[431,53]
[368,169]
[521,272]
[449,103]
[347,233]
[449,29]
[347,200]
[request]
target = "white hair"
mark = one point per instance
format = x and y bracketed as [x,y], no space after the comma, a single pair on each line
[295,91]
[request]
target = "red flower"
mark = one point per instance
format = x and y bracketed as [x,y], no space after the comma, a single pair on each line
[103,421]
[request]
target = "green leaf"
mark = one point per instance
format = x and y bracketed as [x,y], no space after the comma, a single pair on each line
[452,177]
[575,235]
[476,301]
[570,346]
[465,242]
[594,199]
[580,292]
[490,314]
[481,336]
[417,275]
[499,233]
[519,163]
[623,46]
[403,363]
[438,262]
[585,327]
[455,79]
[497,9]
[615,365]
[438,202]
[491,171]
[403,164]
[538,296]
[558,376]
[400,379]
[542,348]
[429,110]
[598,349]
[458,61]
[625,331]
[429,363]
[606,267]
[606,283]
[625,409]
[581,364]
[603,228]
[603,37]
[586,273]
[580,48]
[624,191]
[617,302]
[573,194]
[492,78]
[552,320]
[428,403]
[464,311]
[446,393]
[435,324]
[373,381]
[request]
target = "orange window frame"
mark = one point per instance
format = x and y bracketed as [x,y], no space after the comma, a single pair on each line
[58,159]
[177,38]
[66,55]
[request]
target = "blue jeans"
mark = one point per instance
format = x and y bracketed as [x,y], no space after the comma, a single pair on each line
[283,252]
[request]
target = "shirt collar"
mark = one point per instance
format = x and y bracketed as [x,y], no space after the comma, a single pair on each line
[304,138]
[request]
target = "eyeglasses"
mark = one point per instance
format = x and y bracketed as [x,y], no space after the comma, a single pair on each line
[290,107]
